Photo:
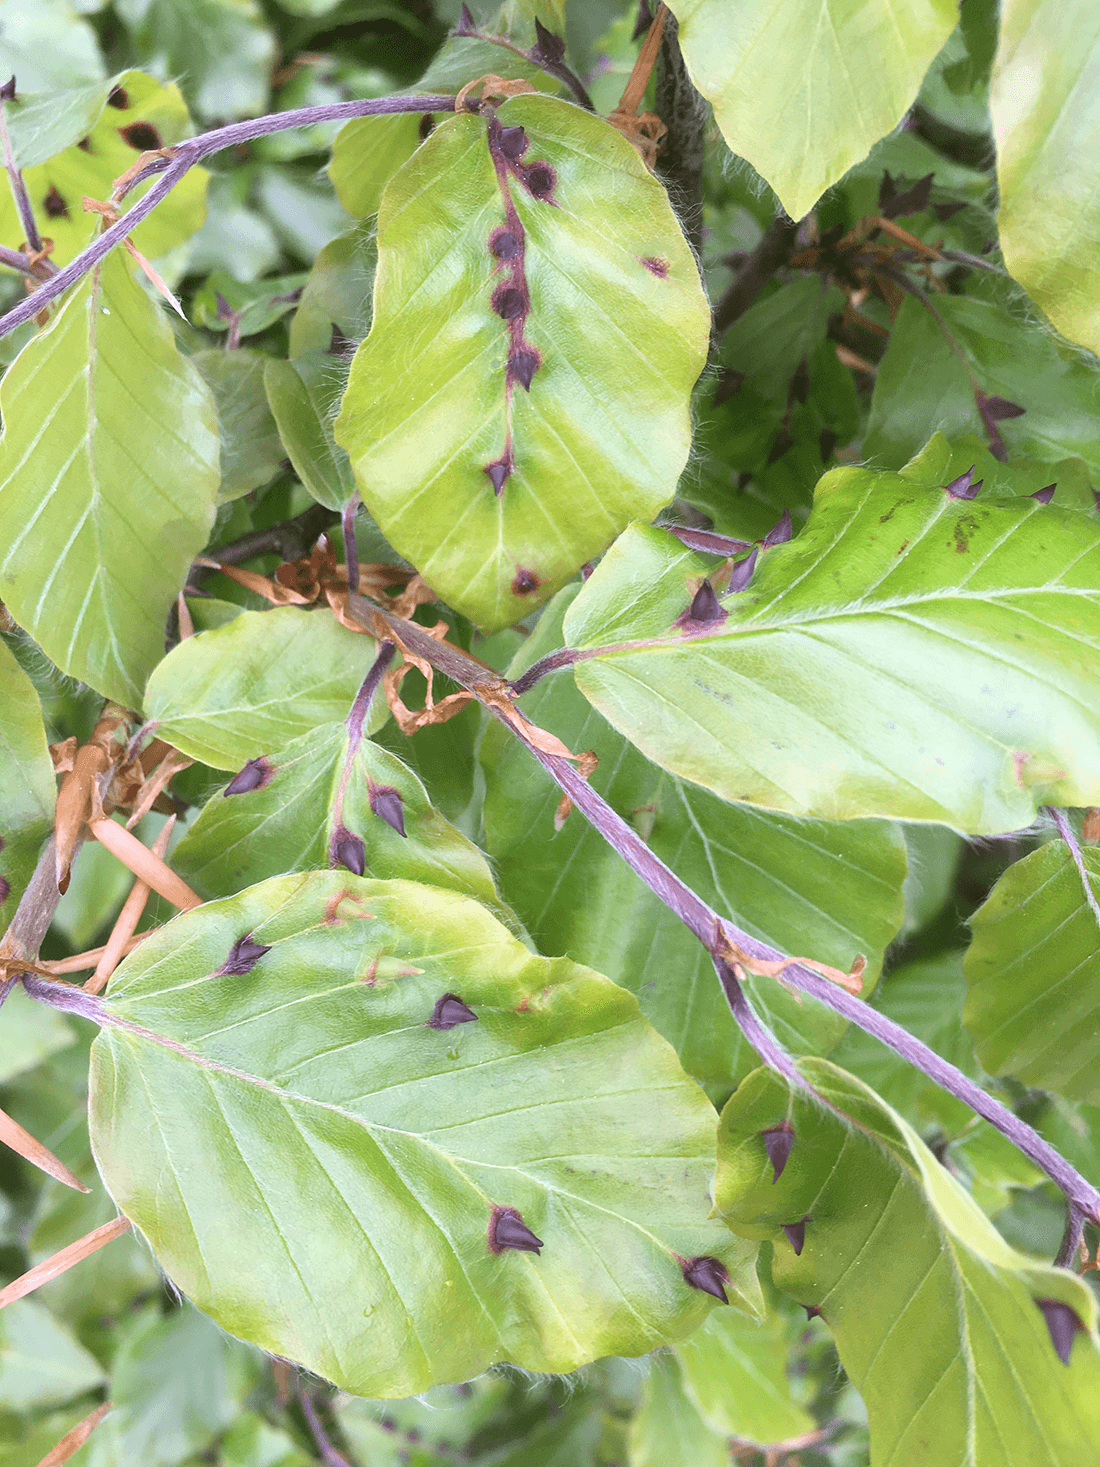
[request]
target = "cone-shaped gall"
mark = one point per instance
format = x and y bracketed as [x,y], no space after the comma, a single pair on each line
[508,1230]
[705,605]
[388,805]
[1044,496]
[1063,1322]
[778,1141]
[244,955]
[796,1234]
[346,849]
[513,142]
[255,774]
[780,532]
[741,572]
[964,486]
[450,1011]
[708,1274]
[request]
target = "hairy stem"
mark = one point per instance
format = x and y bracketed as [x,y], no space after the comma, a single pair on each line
[33,914]
[684,113]
[183,157]
[775,247]
[19,187]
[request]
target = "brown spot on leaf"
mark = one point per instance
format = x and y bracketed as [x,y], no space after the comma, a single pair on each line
[55,206]
[524,582]
[656,266]
[427,126]
[118,97]
[903,547]
[143,136]
[85,145]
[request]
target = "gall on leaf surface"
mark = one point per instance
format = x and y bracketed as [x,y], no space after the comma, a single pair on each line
[909,655]
[936,1319]
[1033,974]
[109,473]
[1043,106]
[830,889]
[497,490]
[237,691]
[28,789]
[804,89]
[326,1189]
[287,823]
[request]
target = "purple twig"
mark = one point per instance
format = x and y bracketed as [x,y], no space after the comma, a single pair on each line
[329,1455]
[717,935]
[15,179]
[1065,830]
[351,549]
[184,156]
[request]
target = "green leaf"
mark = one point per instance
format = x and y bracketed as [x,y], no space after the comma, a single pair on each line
[106,497]
[303,395]
[804,89]
[735,1371]
[921,385]
[251,450]
[27,786]
[257,303]
[220,47]
[935,1316]
[251,1442]
[1032,971]
[227,695]
[829,890]
[909,654]
[41,1361]
[144,114]
[367,152]
[176,1382]
[668,1428]
[1045,79]
[338,293]
[287,823]
[603,432]
[268,1165]
[47,45]
[32,1032]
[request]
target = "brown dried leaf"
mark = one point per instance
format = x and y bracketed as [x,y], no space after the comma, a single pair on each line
[78,799]
[493,89]
[63,754]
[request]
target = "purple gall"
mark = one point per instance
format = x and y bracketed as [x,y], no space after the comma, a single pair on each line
[708,1274]
[778,1141]
[449,1012]
[1062,1322]
[347,850]
[388,805]
[508,1230]
[244,955]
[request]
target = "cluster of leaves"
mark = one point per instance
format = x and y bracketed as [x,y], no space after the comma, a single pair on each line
[427,1089]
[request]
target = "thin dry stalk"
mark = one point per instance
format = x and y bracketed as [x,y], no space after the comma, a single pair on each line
[61,1261]
[118,943]
[144,864]
[73,1440]
[12,1134]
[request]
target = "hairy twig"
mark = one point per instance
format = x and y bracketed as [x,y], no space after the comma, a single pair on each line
[718,936]
[33,915]
[182,158]
[15,178]
[684,113]
[289,539]
[775,247]
[329,1455]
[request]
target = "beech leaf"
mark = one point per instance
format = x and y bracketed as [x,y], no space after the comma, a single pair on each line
[334,1190]
[509,413]
[105,498]
[910,655]
[919,1290]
